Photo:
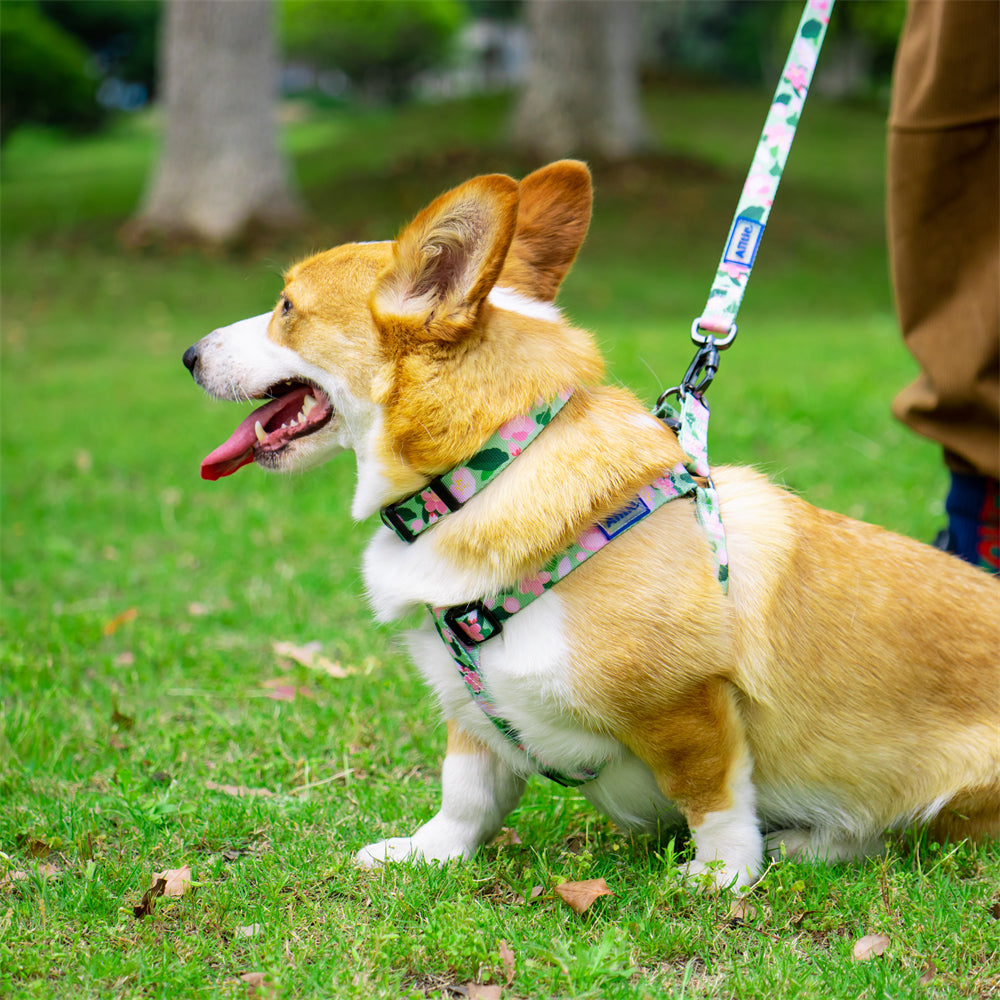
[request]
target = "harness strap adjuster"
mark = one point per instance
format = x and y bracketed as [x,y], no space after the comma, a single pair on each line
[438,488]
[472,623]
[393,520]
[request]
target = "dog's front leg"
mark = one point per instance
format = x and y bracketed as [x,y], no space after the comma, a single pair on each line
[478,791]
[699,757]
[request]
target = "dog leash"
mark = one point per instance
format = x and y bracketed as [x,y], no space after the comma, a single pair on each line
[715,329]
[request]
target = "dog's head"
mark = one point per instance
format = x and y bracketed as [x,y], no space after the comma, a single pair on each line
[410,352]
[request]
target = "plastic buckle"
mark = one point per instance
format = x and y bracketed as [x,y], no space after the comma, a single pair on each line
[392,519]
[484,619]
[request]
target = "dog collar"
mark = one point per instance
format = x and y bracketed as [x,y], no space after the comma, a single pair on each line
[449,491]
[464,627]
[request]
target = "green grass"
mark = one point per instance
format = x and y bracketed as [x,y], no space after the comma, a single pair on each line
[140,603]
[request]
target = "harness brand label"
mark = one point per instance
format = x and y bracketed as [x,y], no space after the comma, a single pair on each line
[743,241]
[624,519]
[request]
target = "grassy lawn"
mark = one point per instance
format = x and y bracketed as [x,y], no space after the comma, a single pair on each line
[149,723]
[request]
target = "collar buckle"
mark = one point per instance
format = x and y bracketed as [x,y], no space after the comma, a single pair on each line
[472,623]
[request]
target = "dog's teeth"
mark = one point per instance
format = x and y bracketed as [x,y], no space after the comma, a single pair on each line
[307,404]
[259,431]
[300,417]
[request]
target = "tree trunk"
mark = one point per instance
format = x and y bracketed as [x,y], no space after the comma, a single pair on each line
[220,170]
[581,95]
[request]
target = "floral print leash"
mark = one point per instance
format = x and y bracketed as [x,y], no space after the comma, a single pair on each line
[464,628]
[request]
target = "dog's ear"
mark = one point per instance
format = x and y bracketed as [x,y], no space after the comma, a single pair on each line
[552,220]
[446,261]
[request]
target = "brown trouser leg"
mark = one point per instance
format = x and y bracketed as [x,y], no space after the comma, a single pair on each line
[944,225]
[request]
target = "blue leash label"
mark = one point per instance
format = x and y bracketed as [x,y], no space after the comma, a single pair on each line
[743,242]
[623,519]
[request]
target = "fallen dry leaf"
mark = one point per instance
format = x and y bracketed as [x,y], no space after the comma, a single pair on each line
[43,870]
[507,838]
[257,984]
[170,882]
[479,991]
[112,625]
[251,930]
[121,721]
[930,971]
[536,891]
[309,656]
[579,896]
[507,957]
[177,880]
[144,908]
[869,946]
[239,791]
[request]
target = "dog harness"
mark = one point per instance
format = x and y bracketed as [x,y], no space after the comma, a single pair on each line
[465,627]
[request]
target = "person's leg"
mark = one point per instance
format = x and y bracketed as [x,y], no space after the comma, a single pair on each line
[944,242]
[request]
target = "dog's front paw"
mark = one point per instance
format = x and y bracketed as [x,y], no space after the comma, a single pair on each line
[415,848]
[393,849]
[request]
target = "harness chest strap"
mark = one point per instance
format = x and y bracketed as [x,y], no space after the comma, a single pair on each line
[463,628]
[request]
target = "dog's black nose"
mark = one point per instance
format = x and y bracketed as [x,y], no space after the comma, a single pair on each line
[191,358]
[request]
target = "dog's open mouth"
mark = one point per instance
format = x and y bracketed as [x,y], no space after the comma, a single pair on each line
[294,410]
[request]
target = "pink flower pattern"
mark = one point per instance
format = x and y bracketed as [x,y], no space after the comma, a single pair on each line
[517,429]
[433,504]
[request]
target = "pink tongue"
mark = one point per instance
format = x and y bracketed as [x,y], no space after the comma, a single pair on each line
[238,450]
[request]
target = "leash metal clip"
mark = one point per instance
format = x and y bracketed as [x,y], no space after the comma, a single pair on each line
[702,370]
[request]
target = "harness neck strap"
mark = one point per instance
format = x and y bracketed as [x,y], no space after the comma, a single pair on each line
[449,491]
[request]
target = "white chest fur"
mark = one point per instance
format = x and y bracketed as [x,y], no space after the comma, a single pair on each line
[527,674]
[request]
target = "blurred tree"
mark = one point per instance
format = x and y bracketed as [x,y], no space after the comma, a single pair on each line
[380,47]
[581,94]
[43,73]
[220,171]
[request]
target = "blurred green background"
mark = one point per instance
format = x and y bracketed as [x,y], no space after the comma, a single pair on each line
[140,604]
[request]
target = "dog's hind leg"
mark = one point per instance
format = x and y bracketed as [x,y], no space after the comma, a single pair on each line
[810,845]
[478,792]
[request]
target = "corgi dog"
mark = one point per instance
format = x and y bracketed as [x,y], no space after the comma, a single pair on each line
[846,684]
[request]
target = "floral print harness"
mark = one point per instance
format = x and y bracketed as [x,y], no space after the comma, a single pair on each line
[464,627]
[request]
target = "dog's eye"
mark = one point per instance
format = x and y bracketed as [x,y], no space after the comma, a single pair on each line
[286,306]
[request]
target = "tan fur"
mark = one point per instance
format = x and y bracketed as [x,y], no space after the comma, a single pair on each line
[846,663]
